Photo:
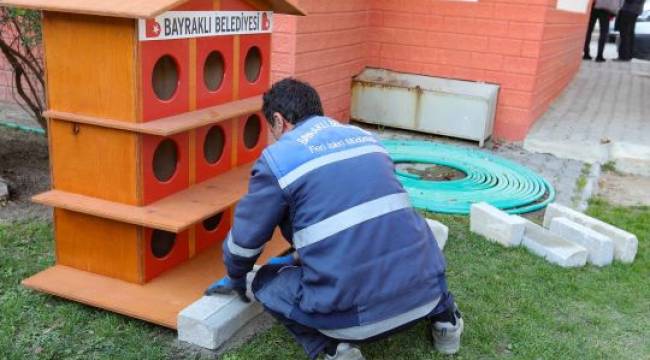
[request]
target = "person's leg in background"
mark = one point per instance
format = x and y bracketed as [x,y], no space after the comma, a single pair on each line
[625,48]
[590,30]
[603,22]
[632,31]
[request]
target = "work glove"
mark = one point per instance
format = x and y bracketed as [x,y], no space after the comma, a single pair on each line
[287,260]
[227,286]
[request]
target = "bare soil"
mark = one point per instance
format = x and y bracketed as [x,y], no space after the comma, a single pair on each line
[624,190]
[24,164]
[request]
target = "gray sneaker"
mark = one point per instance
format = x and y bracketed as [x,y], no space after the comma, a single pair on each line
[345,351]
[446,335]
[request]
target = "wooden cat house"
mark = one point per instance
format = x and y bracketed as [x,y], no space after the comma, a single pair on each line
[154,122]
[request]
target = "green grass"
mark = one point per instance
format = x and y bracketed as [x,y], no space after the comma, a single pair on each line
[40,326]
[609,166]
[515,306]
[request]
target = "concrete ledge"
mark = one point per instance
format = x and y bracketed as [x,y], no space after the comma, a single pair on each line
[625,243]
[599,246]
[496,225]
[631,158]
[440,232]
[552,247]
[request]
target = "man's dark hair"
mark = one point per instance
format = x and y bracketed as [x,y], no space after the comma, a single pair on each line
[295,100]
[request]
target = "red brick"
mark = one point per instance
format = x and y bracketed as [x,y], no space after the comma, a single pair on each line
[487,61]
[505,46]
[521,65]
[523,30]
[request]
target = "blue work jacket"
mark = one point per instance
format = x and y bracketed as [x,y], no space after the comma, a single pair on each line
[366,255]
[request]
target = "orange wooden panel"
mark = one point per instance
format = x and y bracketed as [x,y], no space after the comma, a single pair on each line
[133,8]
[94,161]
[174,213]
[234,5]
[170,125]
[158,301]
[99,246]
[91,65]
[195,5]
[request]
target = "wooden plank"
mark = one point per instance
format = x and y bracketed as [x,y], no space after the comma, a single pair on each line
[93,161]
[174,213]
[170,125]
[130,8]
[158,301]
[91,65]
[98,245]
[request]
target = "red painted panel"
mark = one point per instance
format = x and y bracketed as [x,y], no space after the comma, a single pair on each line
[153,107]
[206,238]
[205,170]
[246,155]
[153,189]
[155,266]
[204,47]
[258,87]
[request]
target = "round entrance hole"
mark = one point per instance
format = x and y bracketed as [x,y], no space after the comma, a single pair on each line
[211,224]
[213,71]
[165,160]
[252,131]
[431,172]
[214,144]
[253,64]
[165,77]
[162,243]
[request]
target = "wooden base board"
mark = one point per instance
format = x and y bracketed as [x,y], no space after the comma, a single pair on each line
[158,301]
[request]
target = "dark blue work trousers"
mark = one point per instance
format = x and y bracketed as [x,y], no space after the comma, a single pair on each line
[270,280]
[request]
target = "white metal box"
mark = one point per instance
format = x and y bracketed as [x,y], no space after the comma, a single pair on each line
[455,108]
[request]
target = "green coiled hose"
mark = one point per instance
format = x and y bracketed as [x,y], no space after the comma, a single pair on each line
[489,178]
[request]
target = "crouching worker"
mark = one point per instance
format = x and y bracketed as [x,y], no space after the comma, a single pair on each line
[366,263]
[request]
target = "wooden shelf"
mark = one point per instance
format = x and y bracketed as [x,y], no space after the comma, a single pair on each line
[174,213]
[170,125]
[158,301]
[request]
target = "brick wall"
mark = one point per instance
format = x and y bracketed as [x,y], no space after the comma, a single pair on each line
[526,46]
[6,81]
[327,49]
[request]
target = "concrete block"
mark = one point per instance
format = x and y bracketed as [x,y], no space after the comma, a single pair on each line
[440,232]
[212,320]
[552,247]
[625,243]
[640,67]
[496,225]
[4,191]
[599,246]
